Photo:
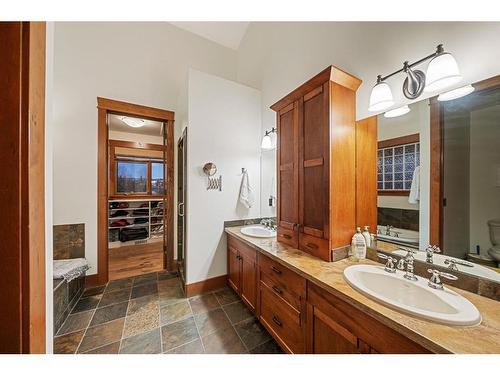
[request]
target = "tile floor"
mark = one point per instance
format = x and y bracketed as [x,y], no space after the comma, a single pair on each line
[149,314]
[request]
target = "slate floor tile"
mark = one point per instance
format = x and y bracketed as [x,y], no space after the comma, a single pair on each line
[193,347]
[142,303]
[75,322]
[87,303]
[106,349]
[144,290]
[269,347]
[109,313]
[211,321]
[119,284]
[146,279]
[224,341]
[171,296]
[203,303]
[226,296]
[237,312]
[68,344]
[252,333]
[175,312]
[115,296]
[102,334]
[178,333]
[143,343]
[145,320]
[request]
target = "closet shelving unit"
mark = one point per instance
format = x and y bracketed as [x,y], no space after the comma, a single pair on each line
[155,213]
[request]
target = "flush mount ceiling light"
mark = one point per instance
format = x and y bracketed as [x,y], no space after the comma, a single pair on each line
[267,142]
[442,72]
[456,93]
[133,122]
[397,112]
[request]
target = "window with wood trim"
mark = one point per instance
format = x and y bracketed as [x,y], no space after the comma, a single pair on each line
[397,159]
[136,171]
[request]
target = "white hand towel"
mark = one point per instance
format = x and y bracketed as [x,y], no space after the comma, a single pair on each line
[70,269]
[415,187]
[246,192]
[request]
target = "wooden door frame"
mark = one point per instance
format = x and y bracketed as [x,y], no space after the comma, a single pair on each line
[22,149]
[109,106]
[436,216]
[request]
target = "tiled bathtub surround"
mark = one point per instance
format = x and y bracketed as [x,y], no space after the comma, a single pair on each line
[66,296]
[69,241]
[398,218]
[149,314]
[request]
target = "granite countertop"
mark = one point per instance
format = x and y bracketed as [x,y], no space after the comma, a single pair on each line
[439,338]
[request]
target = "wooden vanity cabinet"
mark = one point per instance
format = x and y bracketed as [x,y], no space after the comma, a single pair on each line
[316,163]
[242,271]
[335,327]
[281,304]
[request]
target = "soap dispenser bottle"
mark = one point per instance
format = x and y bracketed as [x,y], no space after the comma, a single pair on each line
[366,235]
[358,245]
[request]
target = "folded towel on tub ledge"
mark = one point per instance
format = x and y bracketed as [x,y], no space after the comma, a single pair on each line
[70,269]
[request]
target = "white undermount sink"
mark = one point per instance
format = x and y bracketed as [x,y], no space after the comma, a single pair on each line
[412,297]
[258,231]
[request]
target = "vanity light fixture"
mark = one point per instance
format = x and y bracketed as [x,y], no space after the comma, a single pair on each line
[442,72]
[267,141]
[456,93]
[133,121]
[397,112]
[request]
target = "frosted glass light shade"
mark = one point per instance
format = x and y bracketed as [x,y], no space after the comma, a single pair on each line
[442,72]
[456,93]
[397,112]
[267,143]
[381,97]
[133,122]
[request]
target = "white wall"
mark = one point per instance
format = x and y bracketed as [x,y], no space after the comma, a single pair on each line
[224,128]
[143,63]
[276,57]
[268,182]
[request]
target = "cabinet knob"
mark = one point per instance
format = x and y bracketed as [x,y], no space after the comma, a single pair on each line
[287,236]
[312,245]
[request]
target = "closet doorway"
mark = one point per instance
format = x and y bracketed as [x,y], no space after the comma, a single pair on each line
[135,184]
[181,205]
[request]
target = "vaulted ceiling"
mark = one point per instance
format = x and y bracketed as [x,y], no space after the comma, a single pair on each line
[228,34]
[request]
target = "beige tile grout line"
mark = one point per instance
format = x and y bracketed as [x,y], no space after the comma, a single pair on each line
[125,319]
[233,324]
[196,325]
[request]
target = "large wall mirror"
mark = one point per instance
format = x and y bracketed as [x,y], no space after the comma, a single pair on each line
[438,181]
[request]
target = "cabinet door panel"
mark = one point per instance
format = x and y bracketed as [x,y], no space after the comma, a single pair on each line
[248,284]
[314,163]
[287,156]
[233,272]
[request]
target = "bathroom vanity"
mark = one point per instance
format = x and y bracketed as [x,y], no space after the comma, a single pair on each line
[308,307]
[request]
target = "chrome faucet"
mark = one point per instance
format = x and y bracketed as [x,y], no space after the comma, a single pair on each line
[268,223]
[408,260]
[452,264]
[389,266]
[430,253]
[435,279]
[388,230]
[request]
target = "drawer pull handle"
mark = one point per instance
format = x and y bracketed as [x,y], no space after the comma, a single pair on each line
[277,290]
[275,270]
[277,321]
[312,245]
[287,236]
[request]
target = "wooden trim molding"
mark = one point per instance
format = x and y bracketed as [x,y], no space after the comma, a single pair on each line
[105,106]
[400,193]
[22,151]
[205,286]
[331,73]
[399,141]
[150,113]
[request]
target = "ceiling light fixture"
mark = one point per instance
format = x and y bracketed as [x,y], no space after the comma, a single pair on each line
[397,112]
[267,142]
[133,121]
[456,93]
[442,72]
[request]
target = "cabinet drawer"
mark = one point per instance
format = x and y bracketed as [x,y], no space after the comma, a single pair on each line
[245,250]
[288,236]
[280,291]
[281,320]
[318,247]
[288,280]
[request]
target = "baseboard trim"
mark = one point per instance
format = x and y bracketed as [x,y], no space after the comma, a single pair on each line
[205,286]
[91,281]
